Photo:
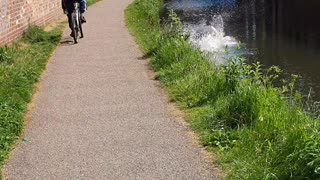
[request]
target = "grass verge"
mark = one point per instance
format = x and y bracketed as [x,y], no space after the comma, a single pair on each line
[258,130]
[90,2]
[21,65]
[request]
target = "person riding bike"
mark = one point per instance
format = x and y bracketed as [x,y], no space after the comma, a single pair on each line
[67,6]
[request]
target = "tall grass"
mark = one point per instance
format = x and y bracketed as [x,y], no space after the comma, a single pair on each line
[258,130]
[20,67]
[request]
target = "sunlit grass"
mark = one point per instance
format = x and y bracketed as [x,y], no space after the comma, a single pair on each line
[21,64]
[20,67]
[258,130]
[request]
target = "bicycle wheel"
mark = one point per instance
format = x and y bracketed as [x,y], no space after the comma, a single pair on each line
[74,28]
[80,26]
[81,31]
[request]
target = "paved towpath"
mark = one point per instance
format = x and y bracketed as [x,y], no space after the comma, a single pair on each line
[99,114]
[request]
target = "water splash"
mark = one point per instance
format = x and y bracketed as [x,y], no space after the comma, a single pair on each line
[210,38]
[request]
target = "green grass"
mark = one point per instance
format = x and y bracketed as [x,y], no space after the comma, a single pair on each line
[21,65]
[91,2]
[258,130]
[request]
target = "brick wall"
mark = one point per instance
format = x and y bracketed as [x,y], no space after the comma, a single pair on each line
[17,15]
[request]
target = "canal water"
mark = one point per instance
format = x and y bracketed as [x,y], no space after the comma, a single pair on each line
[285,33]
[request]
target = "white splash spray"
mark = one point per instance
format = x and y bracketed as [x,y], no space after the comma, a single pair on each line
[211,38]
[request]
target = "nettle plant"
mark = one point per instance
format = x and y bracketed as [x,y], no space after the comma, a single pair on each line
[237,70]
[173,25]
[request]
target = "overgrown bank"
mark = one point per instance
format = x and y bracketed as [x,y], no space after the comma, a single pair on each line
[258,130]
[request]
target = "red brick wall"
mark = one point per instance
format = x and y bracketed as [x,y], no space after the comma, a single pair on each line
[17,15]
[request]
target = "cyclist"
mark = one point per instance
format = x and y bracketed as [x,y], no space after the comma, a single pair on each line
[67,6]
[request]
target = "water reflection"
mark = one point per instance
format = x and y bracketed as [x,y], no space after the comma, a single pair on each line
[192,4]
[282,32]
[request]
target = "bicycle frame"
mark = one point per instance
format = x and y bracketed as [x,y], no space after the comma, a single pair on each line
[76,22]
[77,12]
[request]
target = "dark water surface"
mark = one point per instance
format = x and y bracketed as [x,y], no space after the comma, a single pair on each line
[279,32]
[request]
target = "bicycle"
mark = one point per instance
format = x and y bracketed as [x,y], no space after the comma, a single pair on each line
[76,24]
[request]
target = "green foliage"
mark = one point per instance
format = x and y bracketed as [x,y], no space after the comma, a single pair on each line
[150,10]
[259,130]
[173,26]
[36,35]
[90,2]
[20,67]
[5,58]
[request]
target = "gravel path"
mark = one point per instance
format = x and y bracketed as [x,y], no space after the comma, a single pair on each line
[99,114]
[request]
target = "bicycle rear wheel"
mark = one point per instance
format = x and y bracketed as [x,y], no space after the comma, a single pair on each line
[80,26]
[74,28]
